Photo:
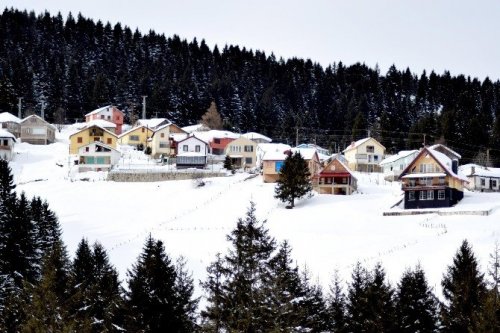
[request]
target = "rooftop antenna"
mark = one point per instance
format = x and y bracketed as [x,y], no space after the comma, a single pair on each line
[144,106]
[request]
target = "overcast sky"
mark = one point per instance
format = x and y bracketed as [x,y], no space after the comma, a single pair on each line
[462,36]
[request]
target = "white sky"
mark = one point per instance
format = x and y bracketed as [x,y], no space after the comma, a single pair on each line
[459,35]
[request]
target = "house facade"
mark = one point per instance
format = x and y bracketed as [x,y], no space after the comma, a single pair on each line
[257,137]
[163,140]
[10,123]
[271,165]
[335,178]
[243,153]
[136,136]
[109,113]
[481,179]
[431,180]
[97,156]
[192,153]
[91,134]
[392,166]
[365,155]
[7,141]
[37,131]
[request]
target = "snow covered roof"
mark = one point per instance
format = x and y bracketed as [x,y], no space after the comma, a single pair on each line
[424,175]
[399,155]
[195,128]
[34,115]
[6,116]
[178,136]
[470,170]
[98,110]
[307,153]
[358,143]
[258,136]
[101,123]
[216,134]
[133,129]
[194,136]
[434,147]
[153,122]
[86,127]
[5,134]
[274,156]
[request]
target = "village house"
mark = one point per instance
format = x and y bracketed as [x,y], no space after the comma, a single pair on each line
[243,153]
[335,178]
[136,136]
[164,140]
[271,165]
[365,155]
[310,155]
[392,166]
[192,153]
[103,124]
[91,134]
[257,137]
[97,156]
[37,131]
[481,178]
[109,113]
[431,180]
[7,141]
[10,123]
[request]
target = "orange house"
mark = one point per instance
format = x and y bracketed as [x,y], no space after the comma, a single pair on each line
[109,113]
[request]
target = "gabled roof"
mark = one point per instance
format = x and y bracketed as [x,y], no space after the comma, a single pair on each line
[443,160]
[101,123]
[272,151]
[34,115]
[98,143]
[153,122]
[135,128]
[479,171]
[254,135]
[195,128]
[104,108]
[359,143]
[193,137]
[6,116]
[216,134]
[341,163]
[398,156]
[167,125]
[307,153]
[452,152]
[88,127]
[5,134]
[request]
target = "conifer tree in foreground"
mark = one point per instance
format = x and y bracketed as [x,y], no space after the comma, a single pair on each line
[337,306]
[464,290]
[416,308]
[294,180]
[155,300]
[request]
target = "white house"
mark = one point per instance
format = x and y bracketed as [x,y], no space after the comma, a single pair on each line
[191,153]
[97,156]
[481,178]
[365,155]
[392,166]
[7,140]
[10,123]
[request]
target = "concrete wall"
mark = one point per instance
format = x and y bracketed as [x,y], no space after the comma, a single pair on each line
[119,176]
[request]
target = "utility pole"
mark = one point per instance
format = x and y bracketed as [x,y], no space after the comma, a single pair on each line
[42,113]
[296,136]
[144,106]
[19,113]
[488,157]
[424,138]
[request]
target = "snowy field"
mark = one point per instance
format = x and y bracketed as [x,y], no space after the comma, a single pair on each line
[327,233]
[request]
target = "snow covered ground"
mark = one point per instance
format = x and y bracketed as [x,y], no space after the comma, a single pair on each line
[327,233]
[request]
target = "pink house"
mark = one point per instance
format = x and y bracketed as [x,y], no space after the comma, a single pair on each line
[109,113]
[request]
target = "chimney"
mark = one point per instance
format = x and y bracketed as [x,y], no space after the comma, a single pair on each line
[454,166]
[472,170]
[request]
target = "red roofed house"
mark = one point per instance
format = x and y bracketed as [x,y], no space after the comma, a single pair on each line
[109,113]
[335,178]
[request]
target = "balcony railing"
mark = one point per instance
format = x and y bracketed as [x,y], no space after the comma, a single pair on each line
[424,185]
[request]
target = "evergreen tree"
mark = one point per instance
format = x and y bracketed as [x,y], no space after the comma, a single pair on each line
[294,180]
[47,312]
[314,316]
[416,306]
[337,306]
[153,300]
[357,300]
[464,290]
[213,315]
[381,308]
[228,163]
[187,305]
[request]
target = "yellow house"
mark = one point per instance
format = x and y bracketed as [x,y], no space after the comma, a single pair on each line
[163,141]
[243,152]
[365,155]
[431,180]
[136,136]
[91,134]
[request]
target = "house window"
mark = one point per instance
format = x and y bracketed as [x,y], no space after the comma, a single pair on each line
[197,148]
[87,149]
[411,196]
[441,180]
[109,141]
[163,144]
[370,149]
[102,116]
[79,139]
[413,182]
[97,139]
[133,137]
[236,149]
[217,141]
[5,142]
[430,195]
[441,195]
[375,158]
[483,182]
[109,117]
[184,147]
[162,135]
[143,129]
[248,160]
[423,195]
[248,149]
[344,180]
[493,183]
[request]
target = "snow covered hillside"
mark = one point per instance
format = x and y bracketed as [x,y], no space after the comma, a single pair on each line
[326,232]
